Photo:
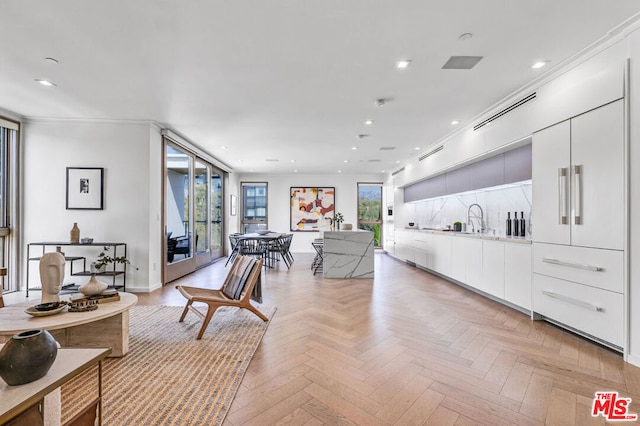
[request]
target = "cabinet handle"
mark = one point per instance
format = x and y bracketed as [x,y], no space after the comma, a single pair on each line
[573,301]
[573,265]
[577,194]
[562,196]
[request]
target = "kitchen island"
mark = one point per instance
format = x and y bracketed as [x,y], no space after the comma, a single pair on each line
[348,254]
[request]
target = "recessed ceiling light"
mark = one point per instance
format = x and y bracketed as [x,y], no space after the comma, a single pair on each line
[239,161]
[45,82]
[417,148]
[295,171]
[223,147]
[465,36]
[403,64]
[345,161]
[293,161]
[339,171]
[539,64]
[381,171]
[368,122]
[397,161]
[454,122]
[354,148]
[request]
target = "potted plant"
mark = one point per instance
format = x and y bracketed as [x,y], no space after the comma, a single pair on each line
[457,226]
[337,220]
[104,259]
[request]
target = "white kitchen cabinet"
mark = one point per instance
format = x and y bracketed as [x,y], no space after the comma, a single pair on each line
[458,259]
[517,274]
[591,310]
[404,245]
[578,223]
[473,262]
[492,281]
[442,254]
[578,180]
[421,249]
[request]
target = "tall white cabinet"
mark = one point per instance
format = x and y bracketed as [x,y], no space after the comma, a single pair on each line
[579,223]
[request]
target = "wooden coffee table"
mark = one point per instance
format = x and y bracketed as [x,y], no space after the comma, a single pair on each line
[105,327]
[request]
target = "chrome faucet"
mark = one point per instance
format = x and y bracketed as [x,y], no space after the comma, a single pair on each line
[475,216]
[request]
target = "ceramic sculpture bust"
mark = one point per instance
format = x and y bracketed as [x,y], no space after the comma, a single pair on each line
[51,276]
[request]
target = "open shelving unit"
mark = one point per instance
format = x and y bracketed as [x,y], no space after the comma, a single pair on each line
[118,274]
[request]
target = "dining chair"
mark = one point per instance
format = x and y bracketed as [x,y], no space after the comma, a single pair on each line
[233,241]
[318,260]
[254,247]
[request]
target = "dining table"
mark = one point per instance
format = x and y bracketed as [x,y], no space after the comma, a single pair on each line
[261,248]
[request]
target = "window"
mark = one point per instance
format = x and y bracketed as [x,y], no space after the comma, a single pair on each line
[370,209]
[254,206]
[8,159]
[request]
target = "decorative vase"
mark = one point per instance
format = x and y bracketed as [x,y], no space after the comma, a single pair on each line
[27,357]
[75,233]
[92,287]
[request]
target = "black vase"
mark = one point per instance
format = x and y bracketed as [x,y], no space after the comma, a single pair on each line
[27,357]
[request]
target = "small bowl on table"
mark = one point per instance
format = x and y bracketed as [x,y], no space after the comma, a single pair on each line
[262,231]
[43,307]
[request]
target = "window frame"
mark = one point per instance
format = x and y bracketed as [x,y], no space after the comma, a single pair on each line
[246,224]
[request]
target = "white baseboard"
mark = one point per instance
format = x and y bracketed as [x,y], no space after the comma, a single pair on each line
[149,289]
[634,360]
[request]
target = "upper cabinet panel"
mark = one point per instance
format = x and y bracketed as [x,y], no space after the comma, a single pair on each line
[594,83]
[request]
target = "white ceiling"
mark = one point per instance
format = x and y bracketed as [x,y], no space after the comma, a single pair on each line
[288,80]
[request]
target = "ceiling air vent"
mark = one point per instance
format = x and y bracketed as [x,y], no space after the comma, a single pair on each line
[461,62]
[506,110]
[271,160]
[430,153]
[387,148]
[397,171]
[374,161]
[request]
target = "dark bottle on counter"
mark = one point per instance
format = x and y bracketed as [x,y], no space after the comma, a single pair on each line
[516,225]
[508,224]
[523,227]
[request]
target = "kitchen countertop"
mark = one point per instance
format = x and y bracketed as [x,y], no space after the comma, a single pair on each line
[482,236]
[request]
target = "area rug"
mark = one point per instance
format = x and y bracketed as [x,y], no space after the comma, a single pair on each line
[169,377]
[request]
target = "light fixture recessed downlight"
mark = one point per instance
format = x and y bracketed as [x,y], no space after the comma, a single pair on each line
[45,82]
[454,122]
[354,148]
[403,64]
[368,122]
[539,64]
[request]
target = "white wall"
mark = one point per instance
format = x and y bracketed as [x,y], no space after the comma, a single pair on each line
[125,151]
[279,201]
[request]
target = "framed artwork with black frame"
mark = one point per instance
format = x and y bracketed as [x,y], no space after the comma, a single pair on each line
[312,208]
[85,188]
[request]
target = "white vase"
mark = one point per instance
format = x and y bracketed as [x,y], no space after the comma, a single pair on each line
[93,287]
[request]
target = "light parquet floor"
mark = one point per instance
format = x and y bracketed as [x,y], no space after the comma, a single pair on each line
[408,348]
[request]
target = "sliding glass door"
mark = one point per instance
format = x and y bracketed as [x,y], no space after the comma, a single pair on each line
[179,225]
[193,218]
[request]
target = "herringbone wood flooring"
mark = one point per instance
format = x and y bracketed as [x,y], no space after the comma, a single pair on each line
[409,348]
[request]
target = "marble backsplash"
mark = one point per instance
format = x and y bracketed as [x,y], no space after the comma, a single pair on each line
[495,202]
